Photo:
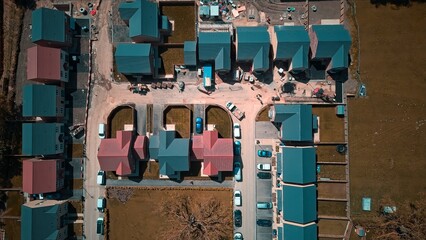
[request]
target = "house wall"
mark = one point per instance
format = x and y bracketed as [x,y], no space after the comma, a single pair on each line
[60,171]
[64,66]
[60,101]
[59,145]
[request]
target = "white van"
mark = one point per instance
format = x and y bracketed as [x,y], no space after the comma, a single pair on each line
[101,130]
[101,204]
[237,198]
[237,130]
[100,179]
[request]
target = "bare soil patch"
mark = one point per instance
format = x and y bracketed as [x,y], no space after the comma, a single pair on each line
[183,16]
[262,116]
[332,208]
[332,227]
[332,190]
[118,118]
[149,169]
[328,153]
[170,57]
[181,117]
[219,117]
[334,172]
[331,127]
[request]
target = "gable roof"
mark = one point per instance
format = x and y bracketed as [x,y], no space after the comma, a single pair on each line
[143,18]
[43,63]
[114,153]
[31,135]
[173,154]
[215,46]
[299,165]
[39,101]
[295,231]
[140,146]
[48,25]
[300,203]
[190,53]
[253,45]
[134,58]
[296,121]
[333,41]
[39,176]
[293,44]
[40,218]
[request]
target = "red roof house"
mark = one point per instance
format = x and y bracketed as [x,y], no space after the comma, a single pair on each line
[47,65]
[218,153]
[114,153]
[42,176]
[140,147]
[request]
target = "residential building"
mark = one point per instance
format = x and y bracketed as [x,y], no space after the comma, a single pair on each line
[47,65]
[172,153]
[299,231]
[42,138]
[253,46]
[115,154]
[299,164]
[42,175]
[140,146]
[299,203]
[215,48]
[292,47]
[43,101]
[52,28]
[44,219]
[331,44]
[217,153]
[135,59]
[190,53]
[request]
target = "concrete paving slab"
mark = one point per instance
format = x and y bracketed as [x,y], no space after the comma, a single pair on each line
[266,130]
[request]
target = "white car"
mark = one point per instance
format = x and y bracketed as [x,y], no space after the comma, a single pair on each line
[100,179]
[101,131]
[237,130]
[237,172]
[237,198]
[264,166]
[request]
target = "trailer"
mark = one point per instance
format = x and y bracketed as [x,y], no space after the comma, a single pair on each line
[235,111]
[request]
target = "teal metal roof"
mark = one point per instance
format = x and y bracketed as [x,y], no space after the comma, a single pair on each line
[300,204]
[143,17]
[334,42]
[253,45]
[39,138]
[204,11]
[299,165]
[48,25]
[165,24]
[280,233]
[173,154]
[190,53]
[279,200]
[39,223]
[133,58]
[154,146]
[293,44]
[39,101]
[296,121]
[300,232]
[279,163]
[215,46]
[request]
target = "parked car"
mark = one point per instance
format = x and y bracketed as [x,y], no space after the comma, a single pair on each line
[274,232]
[237,218]
[264,153]
[264,222]
[100,226]
[237,148]
[237,172]
[237,198]
[199,125]
[238,236]
[264,166]
[100,179]
[101,204]
[101,131]
[264,205]
[237,130]
[264,175]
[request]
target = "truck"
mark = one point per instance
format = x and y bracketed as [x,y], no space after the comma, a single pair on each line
[235,111]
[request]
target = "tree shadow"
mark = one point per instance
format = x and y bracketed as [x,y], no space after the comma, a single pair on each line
[27,4]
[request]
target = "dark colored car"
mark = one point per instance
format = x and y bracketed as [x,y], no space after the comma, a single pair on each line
[199,125]
[274,232]
[264,175]
[237,218]
[264,222]
[264,153]
[237,148]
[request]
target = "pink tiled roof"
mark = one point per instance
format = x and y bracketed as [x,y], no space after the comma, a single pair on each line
[114,153]
[198,147]
[39,176]
[140,146]
[43,63]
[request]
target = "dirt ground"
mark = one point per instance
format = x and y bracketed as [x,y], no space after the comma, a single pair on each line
[170,57]
[262,116]
[76,150]
[119,119]
[387,129]
[333,227]
[332,208]
[332,190]
[181,117]
[149,169]
[219,117]
[331,127]
[183,16]
[334,172]
[328,153]
[142,221]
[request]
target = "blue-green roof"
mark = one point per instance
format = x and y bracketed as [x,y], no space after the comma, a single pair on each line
[300,204]
[293,44]
[165,24]
[39,139]
[296,121]
[299,165]
[280,233]
[279,163]
[190,53]
[40,223]
[48,25]
[308,232]
[253,46]
[39,101]
[204,11]
[143,17]
[334,42]
[154,146]
[173,154]
[215,47]
[279,200]
[132,58]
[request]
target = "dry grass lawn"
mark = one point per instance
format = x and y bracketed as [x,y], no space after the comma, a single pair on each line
[328,153]
[332,227]
[332,190]
[119,118]
[181,117]
[332,208]
[76,150]
[183,16]
[222,120]
[262,116]
[331,127]
[149,169]
[170,57]
[334,172]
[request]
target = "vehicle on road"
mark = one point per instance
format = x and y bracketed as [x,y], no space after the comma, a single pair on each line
[101,204]
[237,130]
[101,131]
[100,179]
[237,198]
[237,148]
[237,172]
[237,218]
[235,111]
[264,175]
[100,226]
[238,236]
[264,166]
[264,222]
[264,153]
[274,232]
[199,125]
[264,205]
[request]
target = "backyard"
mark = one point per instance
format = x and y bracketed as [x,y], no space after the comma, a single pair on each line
[183,16]
[332,190]
[170,56]
[181,117]
[328,153]
[332,208]
[332,227]
[262,115]
[219,117]
[118,118]
[333,172]
[331,127]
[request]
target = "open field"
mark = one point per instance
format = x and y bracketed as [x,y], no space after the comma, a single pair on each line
[262,115]
[332,227]
[387,129]
[219,117]
[118,118]
[328,153]
[332,190]
[183,15]
[181,117]
[332,208]
[142,219]
[331,127]
[334,172]
[170,57]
